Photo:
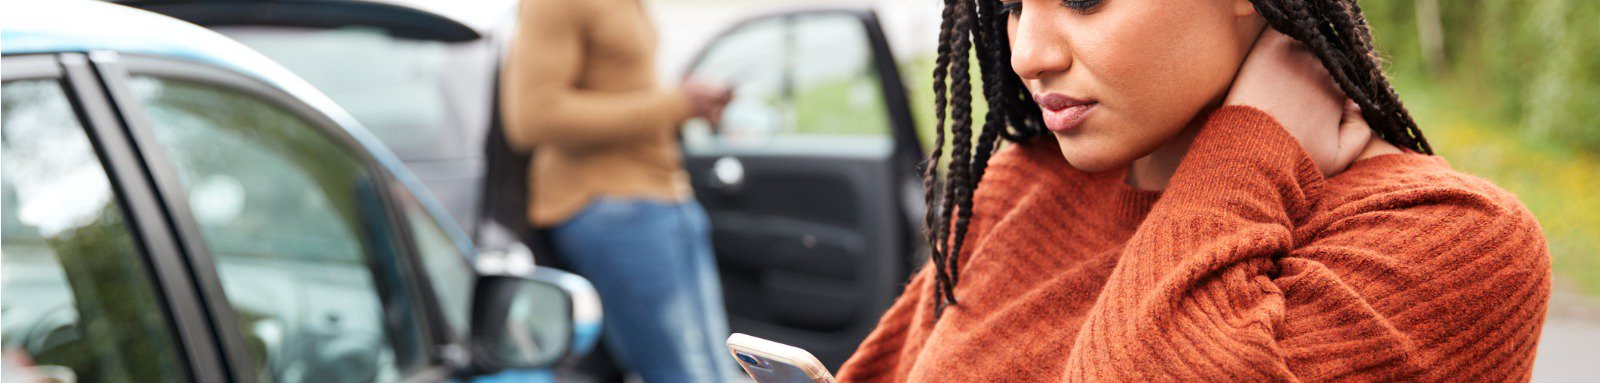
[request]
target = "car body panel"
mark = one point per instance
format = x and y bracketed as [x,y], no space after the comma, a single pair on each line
[86,26]
[92,47]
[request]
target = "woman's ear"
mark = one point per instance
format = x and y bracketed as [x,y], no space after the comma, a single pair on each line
[1243,8]
[1250,23]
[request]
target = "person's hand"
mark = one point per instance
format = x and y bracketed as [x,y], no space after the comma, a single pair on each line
[1285,80]
[707,99]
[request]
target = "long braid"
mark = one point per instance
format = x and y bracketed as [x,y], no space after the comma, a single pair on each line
[1417,141]
[960,132]
[1025,118]
[933,190]
[994,121]
[1406,133]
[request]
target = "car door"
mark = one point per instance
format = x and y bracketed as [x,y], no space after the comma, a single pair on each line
[288,224]
[809,178]
[94,285]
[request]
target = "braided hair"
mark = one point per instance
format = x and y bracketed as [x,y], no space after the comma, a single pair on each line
[1335,31]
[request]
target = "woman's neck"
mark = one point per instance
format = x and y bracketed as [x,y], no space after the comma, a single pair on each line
[1152,171]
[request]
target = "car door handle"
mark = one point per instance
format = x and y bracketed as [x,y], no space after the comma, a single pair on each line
[727,173]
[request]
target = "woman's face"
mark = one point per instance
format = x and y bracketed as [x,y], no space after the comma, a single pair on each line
[1117,79]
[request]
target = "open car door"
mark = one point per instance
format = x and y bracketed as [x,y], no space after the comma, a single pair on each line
[809,180]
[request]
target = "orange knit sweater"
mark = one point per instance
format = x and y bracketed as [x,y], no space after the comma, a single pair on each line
[1249,267]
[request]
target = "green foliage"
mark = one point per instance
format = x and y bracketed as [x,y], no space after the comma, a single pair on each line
[1537,62]
[1517,101]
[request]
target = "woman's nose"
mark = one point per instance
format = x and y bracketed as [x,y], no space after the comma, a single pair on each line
[1037,47]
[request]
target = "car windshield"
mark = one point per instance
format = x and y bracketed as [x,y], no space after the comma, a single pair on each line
[413,94]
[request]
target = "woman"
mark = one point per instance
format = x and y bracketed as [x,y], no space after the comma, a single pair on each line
[1189,194]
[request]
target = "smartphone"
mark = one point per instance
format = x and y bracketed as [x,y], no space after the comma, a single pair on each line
[772,362]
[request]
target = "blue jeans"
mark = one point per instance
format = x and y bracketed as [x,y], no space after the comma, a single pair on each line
[652,264]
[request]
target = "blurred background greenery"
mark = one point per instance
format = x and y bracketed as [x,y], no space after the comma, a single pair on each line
[1508,90]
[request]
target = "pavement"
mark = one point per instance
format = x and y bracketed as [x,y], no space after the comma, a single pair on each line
[1569,347]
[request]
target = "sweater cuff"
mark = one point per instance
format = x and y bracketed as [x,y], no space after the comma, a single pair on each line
[1243,153]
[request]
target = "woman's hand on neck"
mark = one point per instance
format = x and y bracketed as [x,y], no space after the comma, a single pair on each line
[1284,80]
[1355,143]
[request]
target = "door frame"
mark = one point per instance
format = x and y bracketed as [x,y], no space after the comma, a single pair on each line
[116,70]
[178,296]
[906,152]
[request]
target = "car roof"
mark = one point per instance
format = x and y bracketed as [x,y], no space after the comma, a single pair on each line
[67,26]
[481,15]
[456,20]
[64,26]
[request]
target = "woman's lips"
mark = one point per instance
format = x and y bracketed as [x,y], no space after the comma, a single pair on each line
[1062,113]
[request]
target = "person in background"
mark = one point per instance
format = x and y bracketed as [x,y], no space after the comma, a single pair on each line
[608,182]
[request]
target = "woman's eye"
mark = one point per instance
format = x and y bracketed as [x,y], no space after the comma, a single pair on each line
[1012,8]
[1080,5]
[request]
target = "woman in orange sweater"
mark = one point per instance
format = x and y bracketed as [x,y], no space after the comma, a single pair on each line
[1200,190]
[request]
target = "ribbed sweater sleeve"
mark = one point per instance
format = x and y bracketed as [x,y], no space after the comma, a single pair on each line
[1241,273]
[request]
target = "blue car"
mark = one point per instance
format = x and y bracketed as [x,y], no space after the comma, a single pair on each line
[177,207]
[809,182]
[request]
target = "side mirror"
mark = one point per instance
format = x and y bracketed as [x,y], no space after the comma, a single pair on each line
[519,323]
[515,262]
[587,315]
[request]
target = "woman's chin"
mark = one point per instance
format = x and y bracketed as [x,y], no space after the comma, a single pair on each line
[1090,162]
[1091,158]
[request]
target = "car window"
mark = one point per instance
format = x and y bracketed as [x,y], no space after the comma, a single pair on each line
[803,83]
[449,272]
[79,303]
[298,230]
[424,99]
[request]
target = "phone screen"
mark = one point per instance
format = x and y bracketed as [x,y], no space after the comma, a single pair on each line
[769,371]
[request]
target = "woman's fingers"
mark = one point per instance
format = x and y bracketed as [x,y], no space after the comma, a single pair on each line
[1285,80]
[1354,135]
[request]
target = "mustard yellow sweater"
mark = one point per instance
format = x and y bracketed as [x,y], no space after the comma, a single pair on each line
[579,83]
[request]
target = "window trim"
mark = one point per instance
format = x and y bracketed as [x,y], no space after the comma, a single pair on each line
[32,67]
[171,190]
[445,335]
[193,345]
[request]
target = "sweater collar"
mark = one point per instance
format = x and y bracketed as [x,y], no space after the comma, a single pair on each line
[1125,205]
[1107,194]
